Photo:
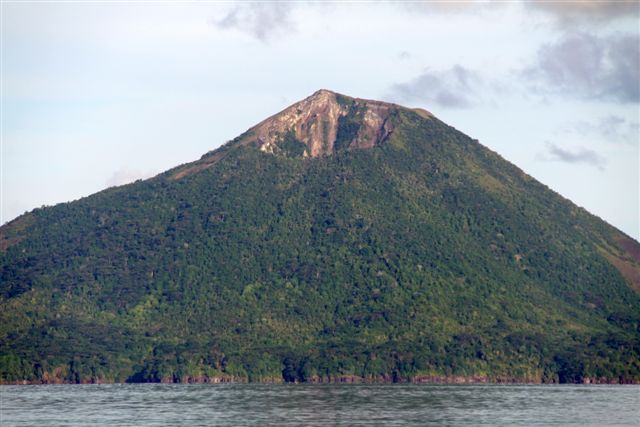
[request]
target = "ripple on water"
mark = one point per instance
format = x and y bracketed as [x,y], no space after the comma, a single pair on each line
[321,404]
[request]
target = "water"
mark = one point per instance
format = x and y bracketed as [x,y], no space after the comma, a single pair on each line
[331,404]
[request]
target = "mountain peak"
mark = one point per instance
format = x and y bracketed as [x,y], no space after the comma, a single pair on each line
[324,123]
[321,92]
[428,258]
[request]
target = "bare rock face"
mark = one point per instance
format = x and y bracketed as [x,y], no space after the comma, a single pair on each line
[324,123]
[320,125]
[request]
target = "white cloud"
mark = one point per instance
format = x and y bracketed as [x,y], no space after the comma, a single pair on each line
[125,175]
[261,20]
[450,7]
[456,87]
[611,128]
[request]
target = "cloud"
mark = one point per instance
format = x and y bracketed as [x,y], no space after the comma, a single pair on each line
[449,7]
[611,128]
[571,12]
[260,20]
[125,176]
[581,155]
[452,88]
[590,67]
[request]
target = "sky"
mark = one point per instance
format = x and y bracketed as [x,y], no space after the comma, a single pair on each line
[101,93]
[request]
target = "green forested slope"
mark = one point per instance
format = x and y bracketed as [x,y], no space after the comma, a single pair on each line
[425,256]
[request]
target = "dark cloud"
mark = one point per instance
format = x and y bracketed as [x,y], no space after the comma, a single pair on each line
[260,20]
[572,12]
[563,12]
[587,66]
[452,88]
[581,155]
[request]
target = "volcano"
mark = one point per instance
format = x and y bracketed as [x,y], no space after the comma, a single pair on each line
[341,239]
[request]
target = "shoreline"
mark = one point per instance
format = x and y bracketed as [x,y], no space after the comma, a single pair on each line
[344,379]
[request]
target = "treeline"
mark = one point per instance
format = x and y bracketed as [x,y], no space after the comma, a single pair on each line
[521,358]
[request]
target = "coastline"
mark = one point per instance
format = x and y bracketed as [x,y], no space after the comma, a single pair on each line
[342,379]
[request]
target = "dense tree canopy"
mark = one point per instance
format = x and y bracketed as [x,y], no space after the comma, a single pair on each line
[425,256]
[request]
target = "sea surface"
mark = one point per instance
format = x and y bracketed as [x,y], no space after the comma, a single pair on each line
[319,405]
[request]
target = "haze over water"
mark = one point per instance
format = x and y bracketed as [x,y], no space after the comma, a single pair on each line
[334,404]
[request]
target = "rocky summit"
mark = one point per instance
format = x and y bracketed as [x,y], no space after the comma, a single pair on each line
[341,239]
[324,123]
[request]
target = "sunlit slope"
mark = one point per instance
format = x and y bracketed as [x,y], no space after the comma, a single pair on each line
[422,255]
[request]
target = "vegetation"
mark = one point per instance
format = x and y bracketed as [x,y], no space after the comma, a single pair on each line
[425,256]
[291,146]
